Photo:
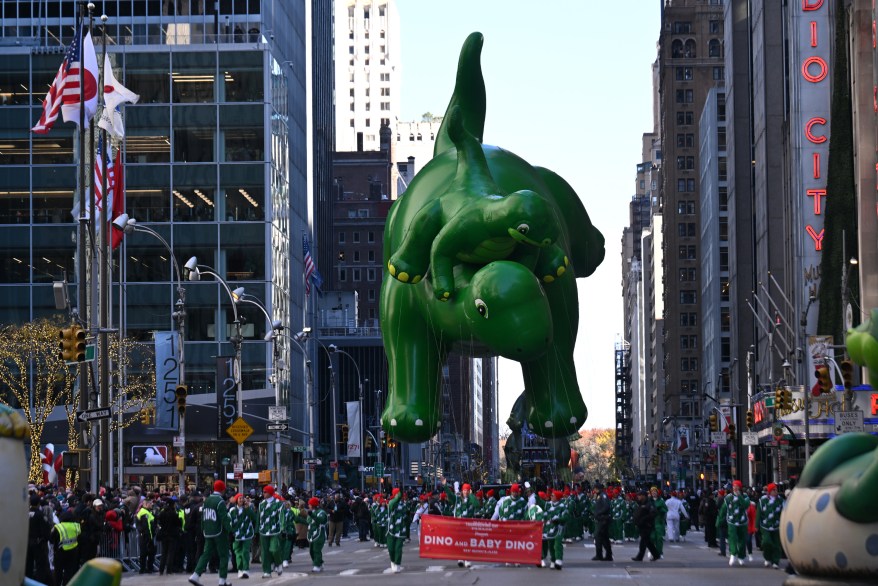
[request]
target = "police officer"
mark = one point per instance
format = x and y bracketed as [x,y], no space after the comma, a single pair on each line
[65,538]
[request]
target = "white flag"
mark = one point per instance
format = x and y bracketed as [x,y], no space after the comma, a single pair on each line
[354,448]
[115,94]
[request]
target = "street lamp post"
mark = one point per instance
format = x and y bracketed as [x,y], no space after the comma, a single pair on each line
[195,271]
[239,296]
[128,225]
[334,349]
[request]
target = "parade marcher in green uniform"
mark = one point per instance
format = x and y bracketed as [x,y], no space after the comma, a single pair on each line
[243,520]
[215,525]
[514,507]
[317,521]
[379,521]
[619,507]
[288,532]
[490,505]
[396,519]
[553,528]
[464,506]
[661,524]
[768,519]
[629,529]
[270,525]
[535,512]
[734,511]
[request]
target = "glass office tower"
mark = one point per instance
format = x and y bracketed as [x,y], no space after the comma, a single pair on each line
[215,161]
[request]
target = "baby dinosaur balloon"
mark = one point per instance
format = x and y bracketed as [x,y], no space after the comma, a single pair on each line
[482,254]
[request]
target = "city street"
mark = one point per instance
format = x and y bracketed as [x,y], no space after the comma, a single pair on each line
[688,562]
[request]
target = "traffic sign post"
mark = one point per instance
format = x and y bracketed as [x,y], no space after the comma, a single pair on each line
[92,414]
[717,437]
[849,422]
[379,469]
[277,413]
[240,430]
[298,448]
[750,438]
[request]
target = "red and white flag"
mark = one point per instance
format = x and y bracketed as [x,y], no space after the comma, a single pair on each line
[64,94]
[115,94]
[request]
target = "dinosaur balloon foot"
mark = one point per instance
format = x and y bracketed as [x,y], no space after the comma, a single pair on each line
[554,419]
[409,423]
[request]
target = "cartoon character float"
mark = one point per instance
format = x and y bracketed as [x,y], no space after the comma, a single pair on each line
[829,525]
[14,432]
[482,252]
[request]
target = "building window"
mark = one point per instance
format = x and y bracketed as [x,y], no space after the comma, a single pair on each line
[370,238]
[341,237]
[356,256]
[714,27]
[719,73]
[682,27]
[713,48]
[357,275]
[385,77]
[356,237]
[371,294]
[371,256]
[351,49]
[370,275]
[385,91]
[687,297]
[342,275]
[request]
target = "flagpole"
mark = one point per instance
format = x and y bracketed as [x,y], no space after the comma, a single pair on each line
[104,323]
[82,285]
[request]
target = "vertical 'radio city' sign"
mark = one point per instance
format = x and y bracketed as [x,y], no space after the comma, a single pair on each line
[811,116]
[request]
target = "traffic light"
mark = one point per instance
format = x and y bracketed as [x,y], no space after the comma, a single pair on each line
[778,398]
[732,432]
[847,374]
[659,449]
[344,433]
[655,460]
[787,400]
[182,392]
[822,374]
[368,442]
[714,422]
[72,344]
[749,419]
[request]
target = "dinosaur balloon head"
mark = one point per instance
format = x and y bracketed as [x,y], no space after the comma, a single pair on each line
[508,311]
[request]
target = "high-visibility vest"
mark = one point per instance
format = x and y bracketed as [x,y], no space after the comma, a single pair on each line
[69,534]
[182,516]
[144,512]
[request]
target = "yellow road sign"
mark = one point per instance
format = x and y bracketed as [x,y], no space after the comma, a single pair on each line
[240,430]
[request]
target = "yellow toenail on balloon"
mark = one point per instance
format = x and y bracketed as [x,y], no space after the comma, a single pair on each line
[561,271]
[392,269]
[566,261]
[404,277]
[548,279]
[416,280]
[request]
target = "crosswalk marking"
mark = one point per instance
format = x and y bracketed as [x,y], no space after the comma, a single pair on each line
[349,572]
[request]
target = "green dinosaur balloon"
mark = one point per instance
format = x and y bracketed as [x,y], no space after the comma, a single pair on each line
[482,252]
[862,345]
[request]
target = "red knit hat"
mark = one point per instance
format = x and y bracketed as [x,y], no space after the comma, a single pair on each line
[515,488]
[771,486]
[313,501]
[269,490]
[557,494]
[737,484]
[491,493]
[394,492]
[480,494]
[219,486]
[466,487]
[542,495]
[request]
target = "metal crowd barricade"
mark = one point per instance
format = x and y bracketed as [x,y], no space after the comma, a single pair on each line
[125,547]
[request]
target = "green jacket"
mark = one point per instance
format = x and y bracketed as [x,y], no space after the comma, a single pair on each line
[463,508]
[768,513]
[513,509]
[317,520]
[270,517]
[243,522]
[214,516]
[397,516]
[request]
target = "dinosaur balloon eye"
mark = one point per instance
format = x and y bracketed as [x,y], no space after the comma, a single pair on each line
[482,308]
[523,228]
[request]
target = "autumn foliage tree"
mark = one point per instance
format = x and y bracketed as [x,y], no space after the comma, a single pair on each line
[35,379]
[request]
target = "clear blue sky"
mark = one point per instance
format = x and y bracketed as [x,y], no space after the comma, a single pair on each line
[569,87]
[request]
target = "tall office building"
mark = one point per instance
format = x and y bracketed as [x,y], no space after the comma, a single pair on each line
[367,72]
[690,64]
[215,162]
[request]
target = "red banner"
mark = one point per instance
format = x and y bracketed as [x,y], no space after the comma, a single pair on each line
[481,540]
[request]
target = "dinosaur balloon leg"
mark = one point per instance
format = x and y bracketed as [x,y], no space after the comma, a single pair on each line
[498,308]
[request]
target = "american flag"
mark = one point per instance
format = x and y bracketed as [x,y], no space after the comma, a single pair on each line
[64,94]
[312,275]
[99,186]
[99,180]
